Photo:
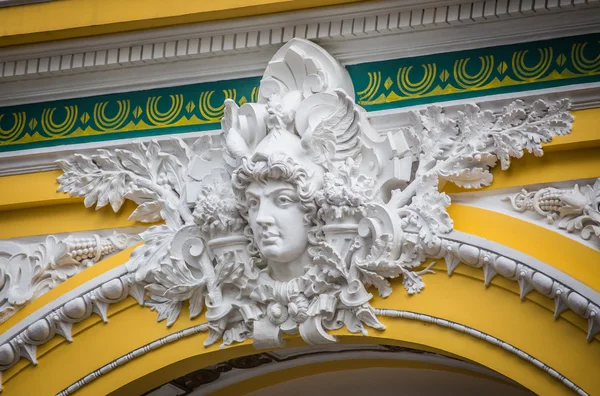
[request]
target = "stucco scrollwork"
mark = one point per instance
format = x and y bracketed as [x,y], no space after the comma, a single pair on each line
[290,219]
[27,272]
[572,210]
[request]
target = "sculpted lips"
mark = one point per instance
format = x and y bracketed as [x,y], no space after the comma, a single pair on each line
[269,237]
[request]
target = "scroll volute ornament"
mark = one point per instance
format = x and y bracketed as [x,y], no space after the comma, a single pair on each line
[300,210]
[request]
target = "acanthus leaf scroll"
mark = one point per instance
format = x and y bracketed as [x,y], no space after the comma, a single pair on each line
[28,271]
[290,220]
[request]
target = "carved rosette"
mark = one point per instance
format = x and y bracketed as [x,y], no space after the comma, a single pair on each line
[368,205]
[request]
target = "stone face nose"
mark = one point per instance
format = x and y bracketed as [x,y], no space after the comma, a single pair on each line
[263,216]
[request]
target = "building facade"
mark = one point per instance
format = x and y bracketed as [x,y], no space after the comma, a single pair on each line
[327,197]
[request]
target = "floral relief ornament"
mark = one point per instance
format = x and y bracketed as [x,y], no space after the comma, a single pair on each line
[27,272]
[576,209]
[299,211]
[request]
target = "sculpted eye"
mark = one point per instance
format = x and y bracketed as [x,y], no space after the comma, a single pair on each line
[284,200]
[252,203]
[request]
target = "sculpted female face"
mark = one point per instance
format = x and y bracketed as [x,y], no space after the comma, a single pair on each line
[276,217]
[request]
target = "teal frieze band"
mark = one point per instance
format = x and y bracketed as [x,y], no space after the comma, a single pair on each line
[485,71]
[379,85]
[187,108]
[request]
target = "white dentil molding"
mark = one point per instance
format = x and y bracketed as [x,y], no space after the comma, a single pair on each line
[238,48]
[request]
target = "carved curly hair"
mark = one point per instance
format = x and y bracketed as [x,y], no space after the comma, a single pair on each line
[278,167]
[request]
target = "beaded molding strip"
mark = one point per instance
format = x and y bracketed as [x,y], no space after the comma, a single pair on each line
[485,337]
[384,312]
[132,355]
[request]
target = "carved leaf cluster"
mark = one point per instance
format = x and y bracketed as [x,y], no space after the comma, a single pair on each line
[154,251]
[379,266]
[215,210]
[150,177]
[345,191]
[173,284]
[463,150]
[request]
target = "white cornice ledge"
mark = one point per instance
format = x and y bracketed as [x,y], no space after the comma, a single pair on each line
[354,34]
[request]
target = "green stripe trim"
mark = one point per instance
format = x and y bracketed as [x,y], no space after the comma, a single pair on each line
[379,85]
[485,71]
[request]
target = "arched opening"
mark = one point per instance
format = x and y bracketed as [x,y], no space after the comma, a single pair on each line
[342,369]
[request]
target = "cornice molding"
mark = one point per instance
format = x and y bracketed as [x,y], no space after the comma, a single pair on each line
[354,34]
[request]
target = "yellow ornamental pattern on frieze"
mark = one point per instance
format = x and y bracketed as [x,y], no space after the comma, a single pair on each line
[16,129]
[379,85]
[63,125]
[583,64]
[115,116]
[448,76]
[108,123]
[466,80]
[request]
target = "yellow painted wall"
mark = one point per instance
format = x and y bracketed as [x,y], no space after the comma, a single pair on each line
[78,18]
[30,206]
[496,310]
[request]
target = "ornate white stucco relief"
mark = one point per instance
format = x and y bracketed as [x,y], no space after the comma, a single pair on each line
[574,210]
[529,273]
[28,271]
[300,210]
[455,247]
[61,320]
